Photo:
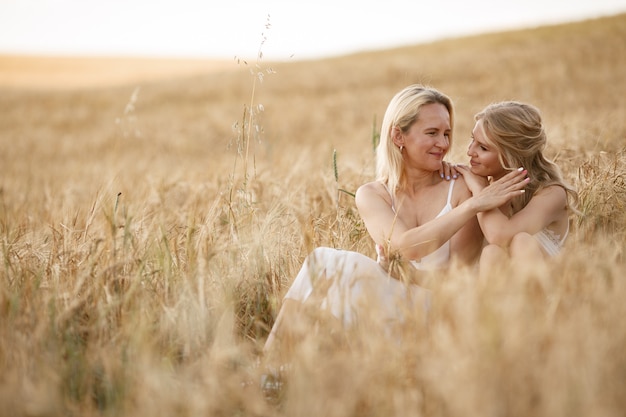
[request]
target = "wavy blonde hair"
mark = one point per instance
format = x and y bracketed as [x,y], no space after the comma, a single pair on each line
[403,110]
[516,131]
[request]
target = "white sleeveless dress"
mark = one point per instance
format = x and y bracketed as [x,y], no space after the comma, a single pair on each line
[349,284]
[550,241]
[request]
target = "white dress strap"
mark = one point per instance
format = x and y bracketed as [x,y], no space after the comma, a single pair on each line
[393,206]
[449,201]
[565,234]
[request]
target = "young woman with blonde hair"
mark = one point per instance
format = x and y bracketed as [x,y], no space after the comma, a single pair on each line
[532,225]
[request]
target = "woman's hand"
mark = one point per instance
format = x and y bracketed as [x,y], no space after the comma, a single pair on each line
[501,191]
[474,182]
[382,258]
[448,171]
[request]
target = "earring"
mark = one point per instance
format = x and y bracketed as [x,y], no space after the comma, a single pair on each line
[401,148]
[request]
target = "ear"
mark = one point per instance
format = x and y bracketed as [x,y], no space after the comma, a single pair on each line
[397,137]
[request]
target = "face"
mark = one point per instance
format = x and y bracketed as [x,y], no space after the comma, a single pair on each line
[428,139]
[483,154]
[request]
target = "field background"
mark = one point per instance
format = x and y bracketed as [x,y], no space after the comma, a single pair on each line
[153,213]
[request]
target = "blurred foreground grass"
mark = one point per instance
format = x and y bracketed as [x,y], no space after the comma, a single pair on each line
[144,257]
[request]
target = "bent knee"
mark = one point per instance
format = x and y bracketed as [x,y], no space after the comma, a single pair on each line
[492,251]
[521,238]
[524,244]
[521,241]
[321,254]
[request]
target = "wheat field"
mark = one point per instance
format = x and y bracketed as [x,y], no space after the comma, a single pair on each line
[150,227]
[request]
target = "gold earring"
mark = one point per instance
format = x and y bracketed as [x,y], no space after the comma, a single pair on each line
[401,148]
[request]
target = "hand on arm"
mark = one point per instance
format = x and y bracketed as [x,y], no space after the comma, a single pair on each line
[543,209]
[494,195]
[465,244]
[390,232]
[499,229]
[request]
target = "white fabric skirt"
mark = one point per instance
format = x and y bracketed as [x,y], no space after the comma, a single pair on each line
[356,289]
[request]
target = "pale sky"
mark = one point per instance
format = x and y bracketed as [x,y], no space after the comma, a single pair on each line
[299,30]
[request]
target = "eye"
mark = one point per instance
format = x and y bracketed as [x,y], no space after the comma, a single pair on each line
[480,145]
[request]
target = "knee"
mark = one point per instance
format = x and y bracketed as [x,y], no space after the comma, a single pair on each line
[318,252]
[521,240]
[524,244]
[492,258]
[492,252]
[319,255]
[322,252]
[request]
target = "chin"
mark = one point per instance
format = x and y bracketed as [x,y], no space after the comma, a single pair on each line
[477,171]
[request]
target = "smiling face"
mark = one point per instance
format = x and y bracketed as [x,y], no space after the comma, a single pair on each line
[483,154]
[428,139]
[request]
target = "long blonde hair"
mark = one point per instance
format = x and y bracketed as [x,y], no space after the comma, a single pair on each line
[517,132]
[403,110]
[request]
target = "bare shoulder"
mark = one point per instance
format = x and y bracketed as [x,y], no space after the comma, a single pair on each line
[552,189]
[552,192]
[371,191]
[461,191]
[550,199]
[370,186]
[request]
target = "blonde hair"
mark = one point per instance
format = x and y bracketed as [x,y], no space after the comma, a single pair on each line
[403,110]
[517,132]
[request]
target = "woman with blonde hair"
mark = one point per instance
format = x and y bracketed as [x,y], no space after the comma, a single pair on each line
[411,211]
[534,224]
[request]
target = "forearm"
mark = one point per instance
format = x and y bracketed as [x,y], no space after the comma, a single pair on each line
[423,240]
[495,227]
[467,243]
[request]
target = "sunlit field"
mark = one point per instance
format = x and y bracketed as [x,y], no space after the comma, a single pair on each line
[150,227]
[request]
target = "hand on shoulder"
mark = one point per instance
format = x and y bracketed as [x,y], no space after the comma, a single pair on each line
[461,191]
[501,191]
[474,182]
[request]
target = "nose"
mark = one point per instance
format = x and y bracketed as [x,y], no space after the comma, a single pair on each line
[470,149]
[443,142]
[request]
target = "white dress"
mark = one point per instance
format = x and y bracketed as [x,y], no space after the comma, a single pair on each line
[346,283]
[550,241]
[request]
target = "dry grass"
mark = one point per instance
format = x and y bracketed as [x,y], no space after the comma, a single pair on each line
[142,264]
[68,72]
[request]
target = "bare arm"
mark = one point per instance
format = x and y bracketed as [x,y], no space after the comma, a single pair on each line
[543,209]
[388,230]
[414,243]
[467,243]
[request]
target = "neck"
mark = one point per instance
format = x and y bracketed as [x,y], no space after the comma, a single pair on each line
[417,180]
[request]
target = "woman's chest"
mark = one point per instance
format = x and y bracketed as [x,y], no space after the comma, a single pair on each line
[418,210]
